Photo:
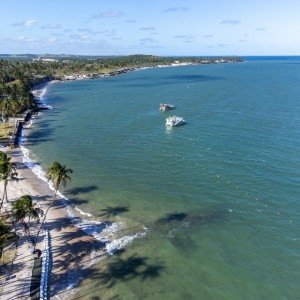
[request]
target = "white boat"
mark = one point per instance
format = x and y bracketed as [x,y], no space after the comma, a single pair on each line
[174,121]
[166,106]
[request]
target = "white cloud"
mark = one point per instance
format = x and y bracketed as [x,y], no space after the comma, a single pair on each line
[108,14]
[27,23]
[184,36]
[51,26]
[52,40]
[27,39]
[261,28]
[231,21]
[82,37]
[175,9]
[150,40]
[146,28]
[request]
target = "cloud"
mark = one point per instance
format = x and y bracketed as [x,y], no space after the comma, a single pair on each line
[26,39]
[53,40]
[27,23]
[130,21]
[108,14]
[82,37]
[112,32]
[146,28]
[90,31]
[184,36]
[219,46]
[242,41]
[51,26]
[230,21]
[148,40]
[208,36]
[176,9]
[85,30]
[223,45]
[261,28]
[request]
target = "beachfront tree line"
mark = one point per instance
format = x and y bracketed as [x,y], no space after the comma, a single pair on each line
[23,210]
[18,74]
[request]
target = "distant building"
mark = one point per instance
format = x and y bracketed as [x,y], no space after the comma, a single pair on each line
[45,59]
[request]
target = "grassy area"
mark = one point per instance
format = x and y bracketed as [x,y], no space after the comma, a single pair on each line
[6,130]
[17,82]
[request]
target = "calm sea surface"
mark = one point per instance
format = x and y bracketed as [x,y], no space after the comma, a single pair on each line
[209,210]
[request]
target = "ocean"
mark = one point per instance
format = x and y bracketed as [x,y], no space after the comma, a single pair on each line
[208,210]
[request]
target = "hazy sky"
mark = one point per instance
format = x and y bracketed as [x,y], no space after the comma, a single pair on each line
[161,27]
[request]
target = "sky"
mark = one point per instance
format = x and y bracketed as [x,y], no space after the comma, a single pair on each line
[158,27]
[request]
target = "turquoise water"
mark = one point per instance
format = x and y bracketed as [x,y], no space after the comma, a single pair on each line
[219,196]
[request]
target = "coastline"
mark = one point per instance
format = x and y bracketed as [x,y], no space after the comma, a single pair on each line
[69,233]
[69,250]
[131,69]
[77,240]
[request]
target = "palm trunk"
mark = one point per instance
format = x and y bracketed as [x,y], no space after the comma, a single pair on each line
[4,194]
[5,191]
[28,226]
[5,129]
[37,235]
[2,200]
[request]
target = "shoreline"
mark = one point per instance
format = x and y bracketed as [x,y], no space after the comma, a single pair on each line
[124,70]
[69,232]
[68,242]
[70,229]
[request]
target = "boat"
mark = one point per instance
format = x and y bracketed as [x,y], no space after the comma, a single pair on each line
[174,121]
[166,106]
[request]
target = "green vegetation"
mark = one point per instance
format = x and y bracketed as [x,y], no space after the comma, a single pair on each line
[57,65]
[7,171]
[24,207]
[58,174]
[23,210]
[7,236]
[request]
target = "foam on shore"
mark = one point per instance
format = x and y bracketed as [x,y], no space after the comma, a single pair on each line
[39,94]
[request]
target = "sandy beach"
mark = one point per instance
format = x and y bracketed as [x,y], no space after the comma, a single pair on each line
[72,250]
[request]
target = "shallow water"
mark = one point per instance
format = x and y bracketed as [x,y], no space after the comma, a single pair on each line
[210,208]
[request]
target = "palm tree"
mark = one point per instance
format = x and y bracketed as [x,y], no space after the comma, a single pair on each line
[58,174]
[6,235]
[24,207]
[7,171]
[5,109]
